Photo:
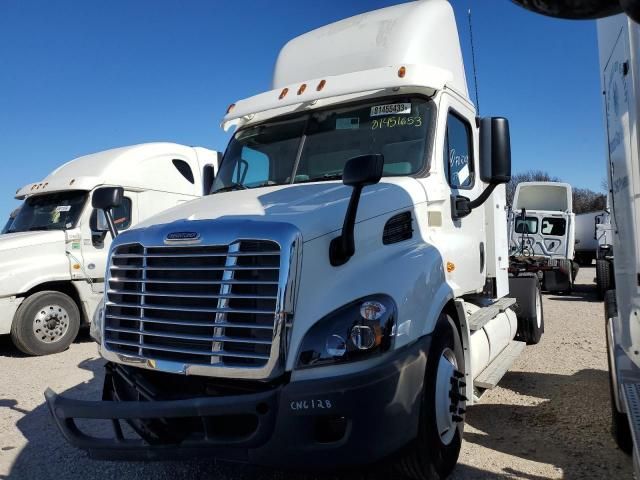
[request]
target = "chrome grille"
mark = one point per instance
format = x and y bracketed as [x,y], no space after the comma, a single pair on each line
[197,305]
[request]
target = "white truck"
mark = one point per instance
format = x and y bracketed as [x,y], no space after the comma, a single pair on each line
[344,292]
[53,255]
[605,268]
[542,233]
[587,244]
[618,44]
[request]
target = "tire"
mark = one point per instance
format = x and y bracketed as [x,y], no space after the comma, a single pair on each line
[569,272]
[433,456]
[528,308]
[45,323]
[619,421]
[603,277]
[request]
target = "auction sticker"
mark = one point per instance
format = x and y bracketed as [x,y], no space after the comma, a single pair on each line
[391,109]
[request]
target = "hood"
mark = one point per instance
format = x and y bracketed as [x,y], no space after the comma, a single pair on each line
[314,208]
[13,241]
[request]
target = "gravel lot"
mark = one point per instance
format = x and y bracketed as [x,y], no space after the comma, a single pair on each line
[549,418]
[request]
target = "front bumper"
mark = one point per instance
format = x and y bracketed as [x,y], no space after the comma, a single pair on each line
[340,421]
[8,308]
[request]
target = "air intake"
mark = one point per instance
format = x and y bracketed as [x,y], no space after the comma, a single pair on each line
[398,228]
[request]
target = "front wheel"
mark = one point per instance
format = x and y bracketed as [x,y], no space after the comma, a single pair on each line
[46,322]
[434,453]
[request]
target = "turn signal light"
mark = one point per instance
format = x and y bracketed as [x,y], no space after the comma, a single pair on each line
[450,267]
[284,93]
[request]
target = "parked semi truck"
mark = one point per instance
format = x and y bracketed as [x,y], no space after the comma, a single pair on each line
[343,295]
[587,237]
[618,43]
[12,216]
[53,255]
[605,277]
[542,233]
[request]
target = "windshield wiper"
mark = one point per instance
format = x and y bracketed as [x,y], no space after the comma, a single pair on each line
[233,186]
[321,178]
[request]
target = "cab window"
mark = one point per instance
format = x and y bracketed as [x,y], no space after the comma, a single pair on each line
[526,225]
[458,152]
[554,226]
[121,216]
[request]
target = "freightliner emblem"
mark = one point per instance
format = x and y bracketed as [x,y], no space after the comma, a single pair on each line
[182,237]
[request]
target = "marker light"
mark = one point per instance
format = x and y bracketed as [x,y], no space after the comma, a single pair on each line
[321,85]
[450,267]
[402,71]
[230,107]
[284,93]
[302,88]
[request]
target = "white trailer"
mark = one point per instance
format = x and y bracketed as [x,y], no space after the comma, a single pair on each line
[587,244]
[53,254]
[619,43]
[344,293]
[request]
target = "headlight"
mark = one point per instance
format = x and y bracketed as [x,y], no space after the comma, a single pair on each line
[359,330]
[95,329]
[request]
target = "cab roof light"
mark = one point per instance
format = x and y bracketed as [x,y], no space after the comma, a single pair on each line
[302,88]
[321,85]
[402,71]
[230,108]
[283,93]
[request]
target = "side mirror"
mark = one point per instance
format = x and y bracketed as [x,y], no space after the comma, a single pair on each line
[495,164]
[358,173]
[363,170]
[105,199]
[495,150]
[208,176]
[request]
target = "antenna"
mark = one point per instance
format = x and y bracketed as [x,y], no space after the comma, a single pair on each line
[473,59]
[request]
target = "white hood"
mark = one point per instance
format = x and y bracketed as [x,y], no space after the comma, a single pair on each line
[30,258]
[315,208]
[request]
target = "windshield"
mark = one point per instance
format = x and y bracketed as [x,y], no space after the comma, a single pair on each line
[315,146]
[53,211]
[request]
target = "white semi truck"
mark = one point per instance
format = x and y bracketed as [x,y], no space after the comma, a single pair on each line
[344,293]
[542,233]
[587,243]
[619,44]
[53,254]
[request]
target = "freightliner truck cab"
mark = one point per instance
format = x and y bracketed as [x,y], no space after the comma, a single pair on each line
[53,254]
[343,294]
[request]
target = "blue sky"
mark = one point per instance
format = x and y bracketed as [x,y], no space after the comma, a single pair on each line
[78,77]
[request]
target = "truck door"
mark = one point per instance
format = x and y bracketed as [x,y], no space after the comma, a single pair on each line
[466,248]
[95,245]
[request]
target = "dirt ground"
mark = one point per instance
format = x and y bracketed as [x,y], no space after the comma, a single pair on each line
[549,418]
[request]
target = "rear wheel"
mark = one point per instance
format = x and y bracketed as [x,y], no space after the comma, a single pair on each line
[604,277]
[46,322]
[434,453]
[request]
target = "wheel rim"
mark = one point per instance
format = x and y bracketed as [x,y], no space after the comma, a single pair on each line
[538,308]
[51,323]
[445,405]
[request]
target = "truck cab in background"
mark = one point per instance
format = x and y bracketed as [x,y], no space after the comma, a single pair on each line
[344,292]
[542,232]
[53,254]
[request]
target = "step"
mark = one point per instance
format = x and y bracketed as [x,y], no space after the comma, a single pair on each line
[483,316]
[631,398]
[494,372]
